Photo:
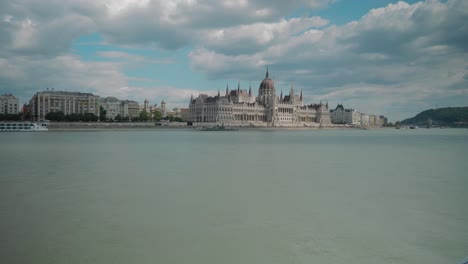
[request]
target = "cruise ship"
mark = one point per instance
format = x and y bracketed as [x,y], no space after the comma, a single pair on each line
[17,126]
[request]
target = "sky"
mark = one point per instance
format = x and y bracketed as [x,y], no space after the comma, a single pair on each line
[395,58]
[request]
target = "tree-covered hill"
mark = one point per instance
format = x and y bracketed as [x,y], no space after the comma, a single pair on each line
[448,116]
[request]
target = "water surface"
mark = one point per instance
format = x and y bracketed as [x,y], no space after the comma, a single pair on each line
[163,196]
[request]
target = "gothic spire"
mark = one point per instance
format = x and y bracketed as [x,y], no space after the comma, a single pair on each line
[219,94]
[291,92]
[281,96]
[250,90]
[238,87]
[301,94]
[266,75]
[227,89]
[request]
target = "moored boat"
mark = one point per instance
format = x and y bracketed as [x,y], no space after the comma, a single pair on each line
[26,126]
[218,128]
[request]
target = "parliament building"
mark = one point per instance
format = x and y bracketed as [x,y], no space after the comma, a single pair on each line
[242,107]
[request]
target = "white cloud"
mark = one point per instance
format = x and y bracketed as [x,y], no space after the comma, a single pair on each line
[257,36]
[413,53]
[401,52]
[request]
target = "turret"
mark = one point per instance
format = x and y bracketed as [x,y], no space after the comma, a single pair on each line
[291,93]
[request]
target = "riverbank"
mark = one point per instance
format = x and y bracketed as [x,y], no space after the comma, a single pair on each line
[71,126]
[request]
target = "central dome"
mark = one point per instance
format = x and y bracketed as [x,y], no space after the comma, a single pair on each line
[267,86]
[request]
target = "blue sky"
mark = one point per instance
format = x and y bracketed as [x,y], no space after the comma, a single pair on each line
[381,57]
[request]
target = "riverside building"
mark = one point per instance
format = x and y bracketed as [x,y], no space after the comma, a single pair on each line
[45,102]
[242,107]
[124,108]
[9,104]
[340,115]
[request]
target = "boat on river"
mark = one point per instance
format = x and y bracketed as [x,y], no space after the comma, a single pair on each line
[23,126]
[217,128]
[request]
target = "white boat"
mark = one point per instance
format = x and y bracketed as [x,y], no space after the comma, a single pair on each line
[18,126]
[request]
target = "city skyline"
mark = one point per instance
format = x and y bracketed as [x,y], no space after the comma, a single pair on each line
[396,58]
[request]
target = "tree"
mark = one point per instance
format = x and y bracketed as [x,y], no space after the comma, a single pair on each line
[157,115]
[55,116]
[144,116]
[72,117]
[118,118]
[102,113]
[10,117]
[89,117]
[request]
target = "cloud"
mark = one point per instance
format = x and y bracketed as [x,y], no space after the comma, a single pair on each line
[415,54]
[67,72]
[252,38]
[401,52]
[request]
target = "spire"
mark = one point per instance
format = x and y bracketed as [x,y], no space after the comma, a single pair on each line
[250,90]
[291,92]
[281,96]
[238,87]
[327,103]
[191,98]
[227,89]
[301,94]
[219,94]
[266,75]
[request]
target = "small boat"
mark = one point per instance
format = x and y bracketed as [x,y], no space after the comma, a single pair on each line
[218,128]
[18,126]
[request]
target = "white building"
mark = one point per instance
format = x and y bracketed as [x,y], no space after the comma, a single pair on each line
[124,108]
[337,116]
[9,104]
[364,120]
[45,102]
[374,121]
[340,115]
[240,107]
[112,105]
[131,108]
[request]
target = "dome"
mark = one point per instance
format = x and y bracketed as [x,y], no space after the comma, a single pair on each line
[267,85]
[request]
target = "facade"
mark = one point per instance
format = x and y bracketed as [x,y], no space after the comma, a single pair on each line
[113,107]
[45,102]
[9,104]
[146,106]
[163,109]
[238,107]
[383,120]
[185,114]
[337,116]
[340,115]
[131,108]
[364,120]
[124,108]
[374,121]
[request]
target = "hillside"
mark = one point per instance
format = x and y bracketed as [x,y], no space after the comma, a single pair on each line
[449,116]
